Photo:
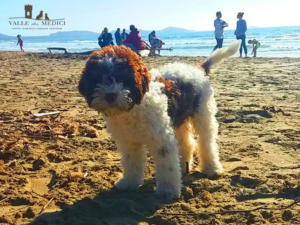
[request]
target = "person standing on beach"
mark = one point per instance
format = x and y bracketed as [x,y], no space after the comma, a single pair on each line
[105,38]
[118,37]
[124,35]
[20,42]
[219,30]
[240,32]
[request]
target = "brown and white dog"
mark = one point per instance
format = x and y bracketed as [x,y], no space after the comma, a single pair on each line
[157,110]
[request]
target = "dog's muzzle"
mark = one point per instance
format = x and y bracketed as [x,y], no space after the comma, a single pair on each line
[110,97]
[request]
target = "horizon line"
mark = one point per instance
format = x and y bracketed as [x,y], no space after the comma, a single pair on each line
[187,30]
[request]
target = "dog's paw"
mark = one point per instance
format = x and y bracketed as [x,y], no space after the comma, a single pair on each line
[168,191]
[213,171]
[127,185]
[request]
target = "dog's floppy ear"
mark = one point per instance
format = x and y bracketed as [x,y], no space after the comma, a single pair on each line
[145,85]
[85,86]
[141,74]
[142,81]
[90,77]
[220,54]
[145,81]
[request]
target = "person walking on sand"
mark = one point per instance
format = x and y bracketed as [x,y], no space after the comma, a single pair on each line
[240,32]
[20,42]
[219,30]
[118,37]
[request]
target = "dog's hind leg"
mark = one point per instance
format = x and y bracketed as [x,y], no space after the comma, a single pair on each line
[186,144]
[206,127]
[134,164]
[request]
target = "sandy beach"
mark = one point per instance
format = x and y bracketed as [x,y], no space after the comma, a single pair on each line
[61,169]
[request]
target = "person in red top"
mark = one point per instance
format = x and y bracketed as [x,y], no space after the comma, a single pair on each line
[135,41]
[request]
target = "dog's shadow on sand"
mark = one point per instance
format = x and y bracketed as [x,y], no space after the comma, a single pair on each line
[108,207]
[112,207]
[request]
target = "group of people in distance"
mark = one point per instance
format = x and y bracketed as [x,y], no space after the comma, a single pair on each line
[240,33]
[135,41]
[132,40]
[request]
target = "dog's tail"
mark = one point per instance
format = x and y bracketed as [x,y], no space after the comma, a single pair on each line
[221,54]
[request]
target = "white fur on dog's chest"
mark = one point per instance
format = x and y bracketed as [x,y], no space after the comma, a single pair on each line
[144,122]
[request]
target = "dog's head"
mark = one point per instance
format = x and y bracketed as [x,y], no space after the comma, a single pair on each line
[114,80]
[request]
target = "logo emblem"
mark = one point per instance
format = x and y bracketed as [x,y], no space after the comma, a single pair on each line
[42,19]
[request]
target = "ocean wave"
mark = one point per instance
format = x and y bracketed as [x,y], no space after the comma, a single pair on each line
[261,46]
[273,36]
[195,47]
[276,41]
[284,50]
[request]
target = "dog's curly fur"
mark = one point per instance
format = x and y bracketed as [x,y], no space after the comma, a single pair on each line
[159,110]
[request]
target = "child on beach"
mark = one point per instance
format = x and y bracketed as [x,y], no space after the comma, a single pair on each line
[20,41]
[255,45]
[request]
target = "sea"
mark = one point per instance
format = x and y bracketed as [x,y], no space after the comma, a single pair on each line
[275,42]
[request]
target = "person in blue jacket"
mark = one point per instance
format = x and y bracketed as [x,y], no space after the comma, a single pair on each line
[240,32]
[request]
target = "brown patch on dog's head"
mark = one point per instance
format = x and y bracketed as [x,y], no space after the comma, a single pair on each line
[140,70]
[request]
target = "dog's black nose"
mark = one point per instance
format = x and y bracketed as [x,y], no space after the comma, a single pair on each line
[110,97]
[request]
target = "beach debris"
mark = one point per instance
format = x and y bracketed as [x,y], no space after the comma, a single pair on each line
[1,165]
[59,49]
[59,129]
[74,176]
[85,175]
[89,131]
[3,199]
[274,109]
[47,114]
[46,205]
[32,130]
[14,142]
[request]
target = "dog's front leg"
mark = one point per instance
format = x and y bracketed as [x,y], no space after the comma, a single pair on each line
[168,175]
[134,164]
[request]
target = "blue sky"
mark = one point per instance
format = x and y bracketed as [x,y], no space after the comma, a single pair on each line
[93,15]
